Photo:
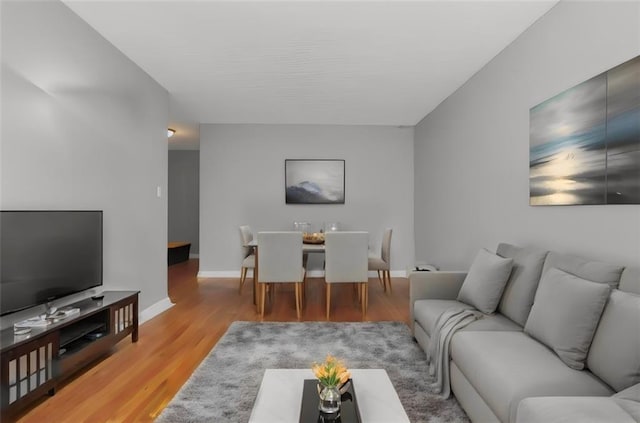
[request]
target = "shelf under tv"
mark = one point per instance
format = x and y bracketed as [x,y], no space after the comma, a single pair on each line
[33,364]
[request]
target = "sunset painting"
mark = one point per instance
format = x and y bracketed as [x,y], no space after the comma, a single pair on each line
[585,142]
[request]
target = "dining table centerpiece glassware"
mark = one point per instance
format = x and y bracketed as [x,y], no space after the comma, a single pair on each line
[333,378]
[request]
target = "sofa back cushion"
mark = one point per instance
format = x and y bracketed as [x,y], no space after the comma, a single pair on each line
[565,315]
[630,280]
[520,290]
[615,351]
[590,270]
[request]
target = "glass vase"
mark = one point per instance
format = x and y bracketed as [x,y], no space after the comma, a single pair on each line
[329,399]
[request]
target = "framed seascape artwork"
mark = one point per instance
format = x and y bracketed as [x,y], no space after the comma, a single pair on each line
[584,143]
[314,181]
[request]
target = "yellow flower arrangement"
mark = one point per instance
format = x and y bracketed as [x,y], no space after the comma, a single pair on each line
[331,373]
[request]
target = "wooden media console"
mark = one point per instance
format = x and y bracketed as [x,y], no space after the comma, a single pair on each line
[32,365]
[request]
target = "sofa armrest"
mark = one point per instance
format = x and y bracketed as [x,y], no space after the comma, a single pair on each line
[439,285]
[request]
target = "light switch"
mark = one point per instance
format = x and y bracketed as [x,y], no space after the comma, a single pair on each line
[159,191]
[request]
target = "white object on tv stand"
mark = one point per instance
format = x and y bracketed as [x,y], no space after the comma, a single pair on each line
[45,320]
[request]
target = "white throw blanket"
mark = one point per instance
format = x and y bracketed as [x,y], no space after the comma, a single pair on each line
[447,324]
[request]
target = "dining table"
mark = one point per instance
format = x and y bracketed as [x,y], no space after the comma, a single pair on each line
[306,248]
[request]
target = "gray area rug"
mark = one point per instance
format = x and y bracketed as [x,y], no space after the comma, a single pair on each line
[224,386]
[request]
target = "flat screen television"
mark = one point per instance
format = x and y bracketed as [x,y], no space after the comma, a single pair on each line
[46,255]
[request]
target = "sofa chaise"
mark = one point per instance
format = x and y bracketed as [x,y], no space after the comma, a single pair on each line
[558,339]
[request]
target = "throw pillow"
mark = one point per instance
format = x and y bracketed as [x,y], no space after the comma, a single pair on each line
[614,355]
[485,282]
[565,314]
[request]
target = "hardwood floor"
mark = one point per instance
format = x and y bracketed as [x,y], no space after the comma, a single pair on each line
[135,383]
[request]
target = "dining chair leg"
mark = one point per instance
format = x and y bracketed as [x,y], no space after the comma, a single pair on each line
[363,296]
[366,298]
[381,279]
[263,290]
[255,289]
[298,299]
[243,276]
[304,289]
[328,299]
[388,276]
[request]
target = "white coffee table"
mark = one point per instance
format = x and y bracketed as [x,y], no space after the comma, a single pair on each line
[280,396]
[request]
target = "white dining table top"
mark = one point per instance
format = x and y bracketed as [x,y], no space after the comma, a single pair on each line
[307,248]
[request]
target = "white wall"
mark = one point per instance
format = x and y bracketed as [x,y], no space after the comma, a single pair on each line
[84,128]
[184,197]
[242,182]
[472,152]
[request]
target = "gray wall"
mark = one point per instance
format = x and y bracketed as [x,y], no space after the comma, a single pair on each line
[184,197]
[472,152]
[242,182]
[84,128]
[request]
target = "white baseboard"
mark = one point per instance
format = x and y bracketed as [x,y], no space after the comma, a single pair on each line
[157,308]
[310,273]
[194,256]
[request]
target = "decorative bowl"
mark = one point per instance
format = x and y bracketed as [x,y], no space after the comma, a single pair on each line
[313,238]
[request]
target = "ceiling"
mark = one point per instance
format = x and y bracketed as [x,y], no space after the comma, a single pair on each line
[307,62]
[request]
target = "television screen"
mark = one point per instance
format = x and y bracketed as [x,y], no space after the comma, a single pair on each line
[45,255]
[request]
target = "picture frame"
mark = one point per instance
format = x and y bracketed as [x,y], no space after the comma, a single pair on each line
[314,181]
[584,142]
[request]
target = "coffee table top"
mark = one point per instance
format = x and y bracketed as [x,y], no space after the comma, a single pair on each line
[378,401]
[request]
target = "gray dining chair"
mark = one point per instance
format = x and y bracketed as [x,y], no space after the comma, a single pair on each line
[248,255]
[382,263]
[346,262]
[280,261]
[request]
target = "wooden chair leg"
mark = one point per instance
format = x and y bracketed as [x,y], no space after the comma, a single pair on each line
[263,290]
[255,289]
[304,289]
[381,279]
[362,302]
[366,298]
[388,276]
[328,300]
[298,300]
[243,276]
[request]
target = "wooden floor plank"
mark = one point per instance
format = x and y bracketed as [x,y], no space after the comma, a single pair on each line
[137,381]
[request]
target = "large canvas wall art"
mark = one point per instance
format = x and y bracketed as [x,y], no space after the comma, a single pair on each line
[585,142]
[314,181]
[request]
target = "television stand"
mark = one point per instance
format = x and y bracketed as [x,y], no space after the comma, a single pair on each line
[33,364]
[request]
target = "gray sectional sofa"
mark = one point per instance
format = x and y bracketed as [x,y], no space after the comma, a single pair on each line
[562,345]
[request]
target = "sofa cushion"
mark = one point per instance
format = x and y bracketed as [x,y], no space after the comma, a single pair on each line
[631,393]
[615,351]
[572,409]
[494,321]
[507,366]
[517,298]
[630,280]
[426,312]
[594,271]
[565,314]
[484,284]
[629,400]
